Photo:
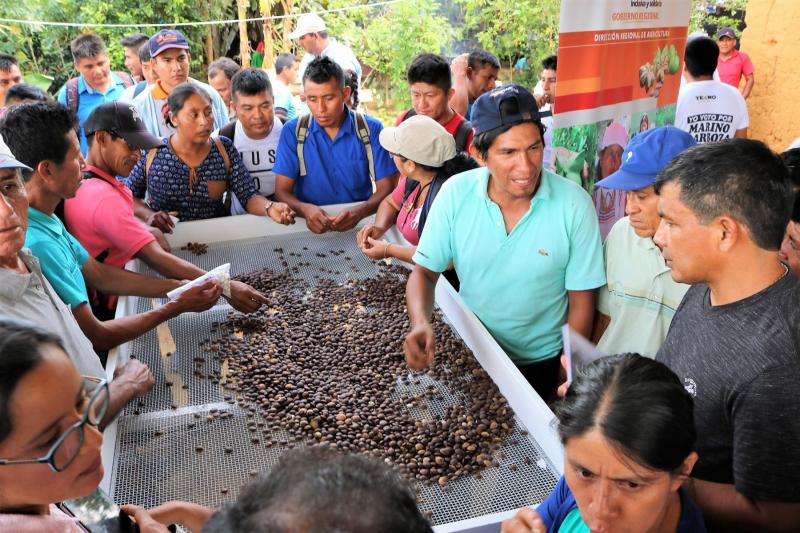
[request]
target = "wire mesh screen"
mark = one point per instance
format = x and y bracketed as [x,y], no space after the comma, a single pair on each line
[191,439]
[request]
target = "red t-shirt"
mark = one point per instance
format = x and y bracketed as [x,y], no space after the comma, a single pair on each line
[451,127]
[730,70]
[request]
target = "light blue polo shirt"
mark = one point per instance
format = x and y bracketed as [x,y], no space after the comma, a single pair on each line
[337,170]
[516,283]
[89,99]
[60,255]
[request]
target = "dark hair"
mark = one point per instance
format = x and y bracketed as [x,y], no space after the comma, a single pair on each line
[37,132]
[134,40]
[177,98]
[7,61]
[432,69]
[323,491]
[460,163]
[144,52]
[284,60]
[20,343]
[791,159]
[322,70]
[24,92]
[637,403]
[250,82]
[484,141]
[223,64]
[86,46]
[550,62]
[741,178]
[701,57]
[351,80]
[478,58]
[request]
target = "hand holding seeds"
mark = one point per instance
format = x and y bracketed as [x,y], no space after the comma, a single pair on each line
[525,521]
[419,347]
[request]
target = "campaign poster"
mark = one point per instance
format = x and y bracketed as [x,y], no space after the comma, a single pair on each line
[620,64]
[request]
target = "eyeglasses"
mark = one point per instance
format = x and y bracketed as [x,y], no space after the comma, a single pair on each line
[68,445]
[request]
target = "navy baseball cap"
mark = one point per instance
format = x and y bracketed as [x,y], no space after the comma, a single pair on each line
[503,106]
[726,32]
[123,120]
[645,156]
[166,39]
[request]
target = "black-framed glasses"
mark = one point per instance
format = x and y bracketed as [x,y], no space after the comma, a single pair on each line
[69,444]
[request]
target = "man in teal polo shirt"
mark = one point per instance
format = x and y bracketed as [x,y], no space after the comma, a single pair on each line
[337,161]
[96,83]
[525,244]
[42,135]
[636,306]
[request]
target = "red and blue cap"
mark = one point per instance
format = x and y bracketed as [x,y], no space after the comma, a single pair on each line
[645,156]
[166,39]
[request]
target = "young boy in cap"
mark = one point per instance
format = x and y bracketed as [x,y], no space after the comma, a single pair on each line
[169,52]
[733,64]
[637,304]
[524,242]
[101,214]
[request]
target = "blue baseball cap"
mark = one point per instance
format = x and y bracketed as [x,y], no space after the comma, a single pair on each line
[645,156]
[490,111]
[166,39]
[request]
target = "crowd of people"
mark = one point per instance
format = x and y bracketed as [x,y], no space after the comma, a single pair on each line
[684,267]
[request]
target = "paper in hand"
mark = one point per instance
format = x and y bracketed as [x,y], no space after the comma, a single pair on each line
[578,350]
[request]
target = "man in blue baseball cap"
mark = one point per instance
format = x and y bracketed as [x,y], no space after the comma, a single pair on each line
[169,59]
[524,242]
[636,306]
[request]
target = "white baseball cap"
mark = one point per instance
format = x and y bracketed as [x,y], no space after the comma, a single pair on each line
[7,159]
[308,23]
[420,139]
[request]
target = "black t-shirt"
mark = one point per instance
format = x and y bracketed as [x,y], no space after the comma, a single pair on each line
[741,363]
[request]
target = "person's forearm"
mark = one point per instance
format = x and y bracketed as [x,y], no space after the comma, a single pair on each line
[726,509]
[748,86]
[601,323]
[142,210]
[120,392]
[168,265]
[386,215]
[403,253]
[112,333]
[420,291]
[460,100]
[112,280]
[257,205]
[292,201]
[580,313]
[383,189]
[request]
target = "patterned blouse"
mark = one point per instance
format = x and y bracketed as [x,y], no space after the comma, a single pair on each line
[168,187]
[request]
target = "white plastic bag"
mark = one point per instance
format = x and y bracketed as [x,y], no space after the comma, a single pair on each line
[221,274]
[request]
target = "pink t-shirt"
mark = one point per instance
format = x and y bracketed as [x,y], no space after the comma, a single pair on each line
[730,70]
[101,218]
[56,522]
[408,222]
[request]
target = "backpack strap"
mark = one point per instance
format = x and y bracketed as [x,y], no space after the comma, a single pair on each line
[462,135]
[127,79]
[141,86]
[148,162]
[228,130]
[410,113]
[433,190]
[363,133]
[301,131]
[411,184]
[73,95]
[226,159]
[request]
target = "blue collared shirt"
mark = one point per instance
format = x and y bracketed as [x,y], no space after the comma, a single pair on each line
[90,98]
[516,283]
[60,255]
[337,170]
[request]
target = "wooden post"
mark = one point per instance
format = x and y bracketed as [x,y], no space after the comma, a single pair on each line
[269,54]
[244,40]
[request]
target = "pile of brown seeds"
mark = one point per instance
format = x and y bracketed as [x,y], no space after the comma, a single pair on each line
[325,365]
[197,248]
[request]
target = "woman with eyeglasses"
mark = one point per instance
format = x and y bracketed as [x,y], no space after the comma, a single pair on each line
[627,426]
[190,176]
[49,440]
